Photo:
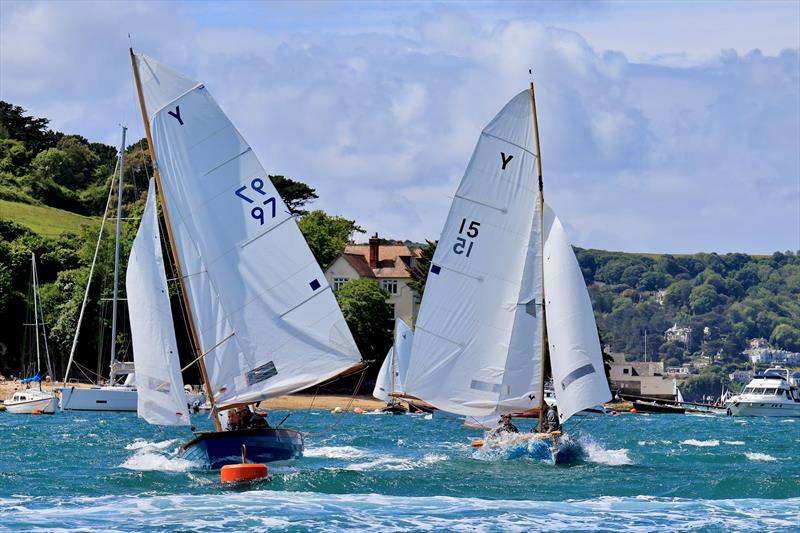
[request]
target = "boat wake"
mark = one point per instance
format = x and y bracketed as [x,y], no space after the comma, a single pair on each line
[335,452]
[701,443]
[391,462]
[155,457]
[533,446]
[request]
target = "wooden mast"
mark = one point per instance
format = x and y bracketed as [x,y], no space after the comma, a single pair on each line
[173,247]
[542,403]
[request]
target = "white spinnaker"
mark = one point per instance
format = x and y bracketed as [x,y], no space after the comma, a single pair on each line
[396,362]
[477,344]
[575,355]
[266,317]
[161,399]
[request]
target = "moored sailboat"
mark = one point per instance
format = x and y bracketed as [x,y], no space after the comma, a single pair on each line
[112,396]
[505,302]
[31,400]
[263,320]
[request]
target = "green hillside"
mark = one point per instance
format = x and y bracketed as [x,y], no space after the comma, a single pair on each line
[47,221]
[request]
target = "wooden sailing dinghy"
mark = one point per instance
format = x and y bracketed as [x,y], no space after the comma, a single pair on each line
[505,298]
[264,321]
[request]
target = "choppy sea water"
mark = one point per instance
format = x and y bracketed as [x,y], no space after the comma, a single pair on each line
[114,472]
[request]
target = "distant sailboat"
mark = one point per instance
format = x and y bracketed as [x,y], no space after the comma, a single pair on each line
[263,320]
[505,295]
[32,400]
[113,396]
[392,374]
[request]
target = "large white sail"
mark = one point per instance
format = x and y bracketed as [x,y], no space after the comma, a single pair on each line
[267,320]
[161,399]
[478,334]
[391,377]
[575,355]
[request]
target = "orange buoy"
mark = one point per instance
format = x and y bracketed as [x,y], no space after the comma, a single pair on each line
[477,443]
[37,412]
[633,411]
[358,410]
[244,471]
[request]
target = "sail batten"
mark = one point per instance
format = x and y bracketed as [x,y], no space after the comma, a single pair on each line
[161,398]
[256,275]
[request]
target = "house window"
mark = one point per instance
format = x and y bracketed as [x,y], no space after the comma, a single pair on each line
[338,282]
[625,371]
[391,311]
[390,285]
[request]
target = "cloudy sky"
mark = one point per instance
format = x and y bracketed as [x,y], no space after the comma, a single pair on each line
[666,127]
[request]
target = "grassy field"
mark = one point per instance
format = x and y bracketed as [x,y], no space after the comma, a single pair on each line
[44,220]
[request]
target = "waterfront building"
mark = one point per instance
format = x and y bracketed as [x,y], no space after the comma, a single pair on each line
[640,378]
[389,264]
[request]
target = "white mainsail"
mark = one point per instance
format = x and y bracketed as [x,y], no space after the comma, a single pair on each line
[391,377]
[480,322]
[265,316]
[161,399]
[576,358]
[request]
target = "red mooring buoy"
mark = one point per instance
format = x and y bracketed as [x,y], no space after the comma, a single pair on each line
[244,471]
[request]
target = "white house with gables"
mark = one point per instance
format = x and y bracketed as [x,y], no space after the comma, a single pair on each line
[388,264]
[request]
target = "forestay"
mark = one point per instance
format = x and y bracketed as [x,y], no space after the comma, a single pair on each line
[477,344]
[391,377]
[161,399]
[264,313]
[576,359]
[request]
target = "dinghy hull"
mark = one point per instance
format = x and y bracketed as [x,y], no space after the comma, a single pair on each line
[217,449]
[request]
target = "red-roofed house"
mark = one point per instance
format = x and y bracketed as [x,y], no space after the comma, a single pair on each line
[387,263]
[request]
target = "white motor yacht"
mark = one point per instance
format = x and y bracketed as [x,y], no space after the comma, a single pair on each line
[29,400]
[769,394]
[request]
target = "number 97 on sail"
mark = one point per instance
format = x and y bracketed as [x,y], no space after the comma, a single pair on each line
[463,245]
[257,186]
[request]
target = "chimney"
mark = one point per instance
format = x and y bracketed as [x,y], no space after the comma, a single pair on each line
[374,245]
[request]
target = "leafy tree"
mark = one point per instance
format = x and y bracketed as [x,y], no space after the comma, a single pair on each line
[33,132]
[326,235]
[786,336]
[419,274]
[295,194]
[368,316]
[703,298]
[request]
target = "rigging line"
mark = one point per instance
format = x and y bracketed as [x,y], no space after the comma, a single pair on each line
[91,272]
[345,410]
[310,406]
[202,355]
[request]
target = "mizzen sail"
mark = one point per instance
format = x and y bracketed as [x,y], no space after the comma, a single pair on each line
[478,334]
[161,398]
[576,359]
[268,323]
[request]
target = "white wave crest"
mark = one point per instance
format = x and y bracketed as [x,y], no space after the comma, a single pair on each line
[148,461]
[758,456]
[391,462]
[335,452]
[701,443]
[142,444]
[734,442]
[595,453]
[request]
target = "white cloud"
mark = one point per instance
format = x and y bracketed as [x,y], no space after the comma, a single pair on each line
[379,108]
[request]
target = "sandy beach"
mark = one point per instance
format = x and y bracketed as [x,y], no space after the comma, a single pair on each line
[281,403]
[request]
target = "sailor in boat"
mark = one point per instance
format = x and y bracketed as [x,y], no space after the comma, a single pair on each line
[244,418]
[506,426]
[550,423]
